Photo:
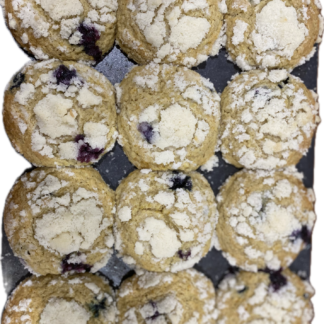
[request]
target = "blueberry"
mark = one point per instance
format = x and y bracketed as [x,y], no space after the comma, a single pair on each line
[18,79]
[278,280]
[96,306]
[90,35]
[64,75]
[242,290]
[180,181]
[86,153]
[156,313]
[184,255]
[77,267]
[304,233]
[146,129]
[233,270]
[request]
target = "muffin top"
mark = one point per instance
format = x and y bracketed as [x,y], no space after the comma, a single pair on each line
[64,29]
[268,120]
[279,297]
[169,117]
[165,221]
[82,299]
[272,34]
[181,32]
[265,218]
[60,113]
[61,220]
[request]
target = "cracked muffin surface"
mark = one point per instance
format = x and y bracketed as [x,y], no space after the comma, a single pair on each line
[164,221]
[267,297]
[77,30]
[265,218]
[268,120]
[82,299]
[272,34]
[181,32]
[169,118]
[60,113]
[183,298]
[61,220]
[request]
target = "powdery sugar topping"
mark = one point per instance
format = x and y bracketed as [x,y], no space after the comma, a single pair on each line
[269,118]
[263,218]
[61,129]
[63,19]
[61,311]
[174,239]
[170,131]
[285,306]
[172,29]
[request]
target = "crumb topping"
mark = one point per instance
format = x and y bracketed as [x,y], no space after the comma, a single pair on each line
[61,311]
[258,299]
[168,303]
[62,19]
[171,130]
[272,34]
[274,214]
[68,118]
[269,120]
[167,217]
[173,29]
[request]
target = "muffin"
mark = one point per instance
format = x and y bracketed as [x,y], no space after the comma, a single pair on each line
[264,297]
[179,32]
[268,120]
[60,113]
[182,298]
[64,29]
[165,221]
[265,219]
[61,220]
[272,34]
[169,118]
[82,299]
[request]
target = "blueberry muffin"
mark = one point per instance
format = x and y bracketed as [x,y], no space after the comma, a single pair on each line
[268,120]
[181,32]
[276,297]
[64,29]
[187,297]
[61,220]
[169,118]
[81,299]
[272,34]
[60,113]
[265,219]
[164,220]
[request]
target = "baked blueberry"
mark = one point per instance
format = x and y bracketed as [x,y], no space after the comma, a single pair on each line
[90,36]
[146,129]
[18,79]
[64,75]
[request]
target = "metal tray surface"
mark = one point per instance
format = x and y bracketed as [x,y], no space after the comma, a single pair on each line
[114,166]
